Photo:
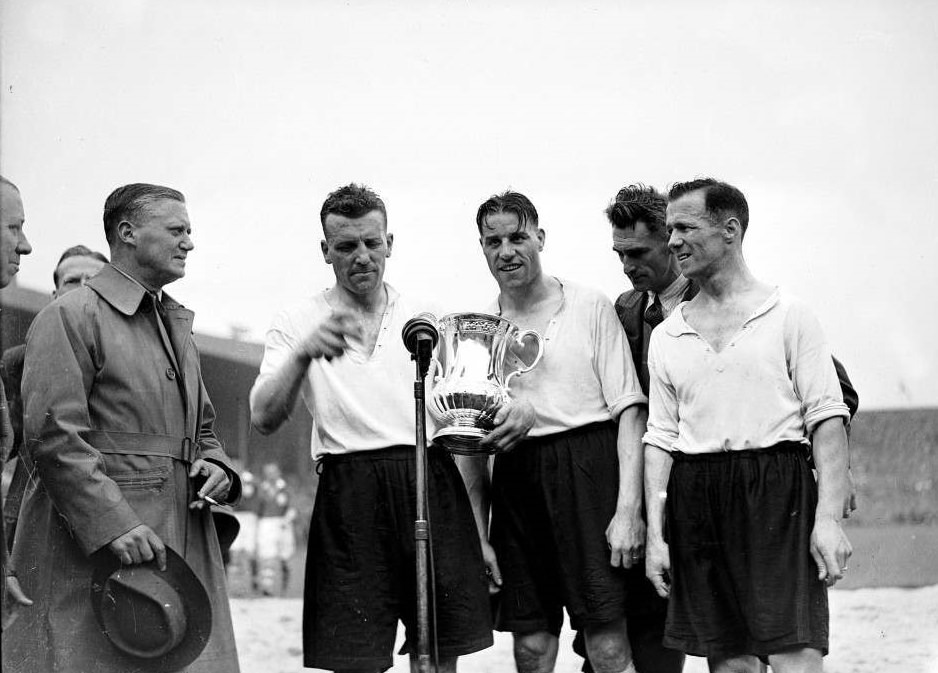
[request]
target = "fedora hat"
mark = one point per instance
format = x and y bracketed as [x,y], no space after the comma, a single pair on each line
[160,619]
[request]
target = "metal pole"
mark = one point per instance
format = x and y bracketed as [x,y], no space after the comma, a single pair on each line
[421,525]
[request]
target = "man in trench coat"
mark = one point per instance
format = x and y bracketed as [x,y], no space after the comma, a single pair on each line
[119,433]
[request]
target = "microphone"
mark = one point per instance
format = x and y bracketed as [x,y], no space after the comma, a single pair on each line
[422,327]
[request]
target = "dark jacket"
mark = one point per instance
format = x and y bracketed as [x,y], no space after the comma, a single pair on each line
[11,371]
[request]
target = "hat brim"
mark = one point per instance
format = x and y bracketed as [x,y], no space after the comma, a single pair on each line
[196,603]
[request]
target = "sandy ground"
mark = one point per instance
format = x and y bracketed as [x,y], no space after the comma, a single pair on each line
[872,631]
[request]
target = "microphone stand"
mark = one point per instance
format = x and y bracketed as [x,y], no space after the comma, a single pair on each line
[424,352]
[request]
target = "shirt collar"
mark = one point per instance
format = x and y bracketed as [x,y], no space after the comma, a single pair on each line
[675,325]
[672,295]
[393,295]
[495,308]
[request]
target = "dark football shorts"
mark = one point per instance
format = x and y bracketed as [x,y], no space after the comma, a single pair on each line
[361,561]
[552,499]
[742,577]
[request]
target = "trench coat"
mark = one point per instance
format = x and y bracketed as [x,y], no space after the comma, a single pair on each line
[115,412]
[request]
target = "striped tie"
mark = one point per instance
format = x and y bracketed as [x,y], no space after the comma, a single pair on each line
[654,314]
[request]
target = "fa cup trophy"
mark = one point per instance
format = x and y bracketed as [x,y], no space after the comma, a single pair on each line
[477,356]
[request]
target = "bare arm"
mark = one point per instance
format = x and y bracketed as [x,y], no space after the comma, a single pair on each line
[274,399]
[657,474]
[626,532]
[275,396]
[475,474]
[829,544]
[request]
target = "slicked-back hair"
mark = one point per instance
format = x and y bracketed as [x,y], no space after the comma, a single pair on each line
[511,202]
[126,202]
[76,251]
[721,199]
[4,181]
[639,203]
[352,201]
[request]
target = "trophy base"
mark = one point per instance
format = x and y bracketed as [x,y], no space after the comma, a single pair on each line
[463,441]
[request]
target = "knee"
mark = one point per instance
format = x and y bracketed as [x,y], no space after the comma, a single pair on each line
[739,664]
[609,649]
[807,660]
[535,652]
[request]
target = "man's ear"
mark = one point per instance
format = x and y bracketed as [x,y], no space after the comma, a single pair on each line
[325,251]
[390,238]
[541,237]
[125,233]
[732,229]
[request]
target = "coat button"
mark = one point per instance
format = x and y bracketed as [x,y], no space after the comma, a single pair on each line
[170,373]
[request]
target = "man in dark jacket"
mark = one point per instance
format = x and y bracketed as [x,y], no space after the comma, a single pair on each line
[119,434]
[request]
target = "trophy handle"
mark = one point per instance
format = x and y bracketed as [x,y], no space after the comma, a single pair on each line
[434,372]
[537,358]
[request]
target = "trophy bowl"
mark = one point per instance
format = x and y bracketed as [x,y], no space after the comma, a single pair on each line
[476,358]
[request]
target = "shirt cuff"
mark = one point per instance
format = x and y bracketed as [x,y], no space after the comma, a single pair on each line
[660,439]
[621,403]
[823,412]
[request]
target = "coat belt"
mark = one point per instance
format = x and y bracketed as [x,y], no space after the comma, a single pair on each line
[141,444]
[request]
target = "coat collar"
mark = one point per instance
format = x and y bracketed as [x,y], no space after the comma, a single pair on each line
[630,299]
[123,293]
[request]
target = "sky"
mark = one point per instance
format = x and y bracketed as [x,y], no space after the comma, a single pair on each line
[822,113]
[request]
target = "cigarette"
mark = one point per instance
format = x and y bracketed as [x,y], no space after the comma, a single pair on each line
[210,500]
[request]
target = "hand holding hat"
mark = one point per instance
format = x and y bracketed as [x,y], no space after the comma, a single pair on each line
[160,619]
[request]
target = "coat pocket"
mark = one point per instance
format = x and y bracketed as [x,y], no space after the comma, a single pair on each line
[152,479]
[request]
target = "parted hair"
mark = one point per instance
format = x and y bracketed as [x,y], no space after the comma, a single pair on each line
[721,199]
[76,251]
[352,201]
[639,203]
[126,202]
[515,203]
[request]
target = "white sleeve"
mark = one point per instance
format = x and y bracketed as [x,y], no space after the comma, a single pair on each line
[612,361]
[279,343]
[811,368]
[662,407]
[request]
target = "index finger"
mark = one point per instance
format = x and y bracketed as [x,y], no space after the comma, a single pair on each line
[660,585]
[501,415]
[834,566]
[219,490]
[159,550]
[214,475]
[197,466]
[495,435]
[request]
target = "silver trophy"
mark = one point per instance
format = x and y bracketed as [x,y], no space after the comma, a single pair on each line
[477,356]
